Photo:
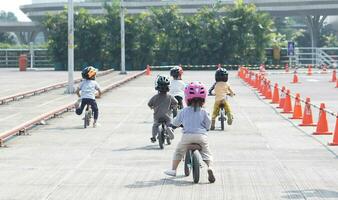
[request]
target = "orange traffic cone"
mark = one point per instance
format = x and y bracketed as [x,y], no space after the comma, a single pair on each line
[256,84]
[334,76]
[309,70]
[295,77]
[307,118]
[297,110]
[268,93]
[275,97]
[335,136]
[287,104]
[148,70]
[322,127]
[282,98]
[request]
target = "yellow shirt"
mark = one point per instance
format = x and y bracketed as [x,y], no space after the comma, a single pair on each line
[222,89]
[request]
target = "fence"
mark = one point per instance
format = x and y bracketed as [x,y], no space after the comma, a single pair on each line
[9,58]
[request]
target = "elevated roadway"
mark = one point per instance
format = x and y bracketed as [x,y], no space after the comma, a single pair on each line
[275,7]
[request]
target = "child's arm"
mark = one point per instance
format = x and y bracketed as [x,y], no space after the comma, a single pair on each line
[99,93]
[174,102]
[207,120]
[78,92]
[98,88]
[178,120]
[231,92]
[212,88]
[151,103]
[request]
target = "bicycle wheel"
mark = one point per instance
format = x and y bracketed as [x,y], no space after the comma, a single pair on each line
[196,166]
[222,117]
[187,162]
[86,120]
[161,139]
[90,115]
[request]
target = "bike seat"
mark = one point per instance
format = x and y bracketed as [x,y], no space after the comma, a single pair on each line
[194,146]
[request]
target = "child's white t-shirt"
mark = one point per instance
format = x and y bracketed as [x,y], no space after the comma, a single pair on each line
[88,89]
[176,88]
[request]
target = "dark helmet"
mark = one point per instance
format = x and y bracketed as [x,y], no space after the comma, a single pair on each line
[162,83]
[176,71]
[89,73]
[221,75]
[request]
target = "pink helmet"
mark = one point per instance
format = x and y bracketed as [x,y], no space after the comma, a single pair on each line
[195,90]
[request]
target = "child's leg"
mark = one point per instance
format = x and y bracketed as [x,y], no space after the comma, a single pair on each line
[214,114]
[228,112]
[79,110]
[207,157]
[155,129]
[170,130]
[215,110]
[95,109]
[180,150]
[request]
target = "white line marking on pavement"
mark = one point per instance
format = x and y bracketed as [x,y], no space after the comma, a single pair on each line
[48,102]
[10,116]
[312,80]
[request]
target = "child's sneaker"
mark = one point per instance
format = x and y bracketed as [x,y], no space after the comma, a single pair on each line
[153,140]
[211,176]
[170,133]
[230,118]
[77,103]
[95,124]
[170,172]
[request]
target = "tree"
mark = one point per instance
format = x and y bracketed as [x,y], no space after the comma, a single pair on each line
[88,39]
[7,17]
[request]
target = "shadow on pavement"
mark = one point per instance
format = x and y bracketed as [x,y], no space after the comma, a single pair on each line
[148,147]
[164,181]
[304,194]
[67,128]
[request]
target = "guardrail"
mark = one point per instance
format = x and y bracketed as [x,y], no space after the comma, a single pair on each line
[41,58]
[22,95]
[233,67]
[22,128]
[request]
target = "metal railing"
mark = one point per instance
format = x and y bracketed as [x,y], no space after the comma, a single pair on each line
[9,58]
[315,56]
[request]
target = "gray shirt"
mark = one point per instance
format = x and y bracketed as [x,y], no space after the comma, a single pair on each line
[162,105]
[194,122]
[88,89]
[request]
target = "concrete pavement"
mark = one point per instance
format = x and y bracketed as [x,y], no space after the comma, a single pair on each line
[261,156]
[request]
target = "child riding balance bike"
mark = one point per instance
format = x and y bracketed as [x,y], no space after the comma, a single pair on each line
[86,91]
[196,123]
[222,89]
[162,104]
[177,86]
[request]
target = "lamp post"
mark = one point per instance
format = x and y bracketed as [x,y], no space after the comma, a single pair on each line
[123,57]
[70,88]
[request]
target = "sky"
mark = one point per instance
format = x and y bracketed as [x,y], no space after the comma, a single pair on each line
[13,6]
